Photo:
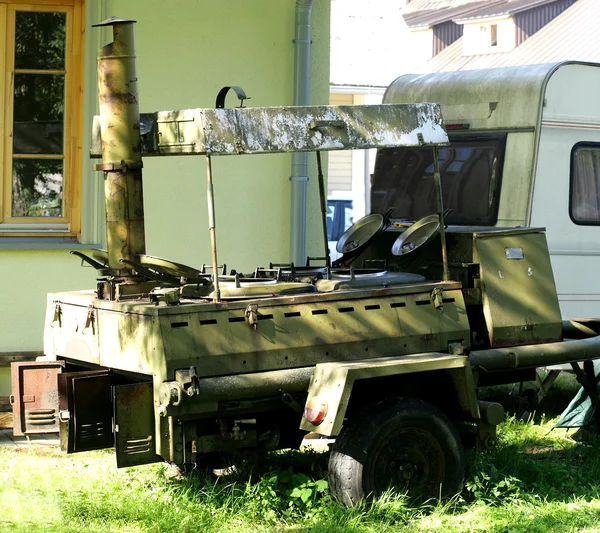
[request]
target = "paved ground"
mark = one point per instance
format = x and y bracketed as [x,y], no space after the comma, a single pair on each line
[8,439]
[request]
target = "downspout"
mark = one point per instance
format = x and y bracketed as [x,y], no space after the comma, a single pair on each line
[299,177]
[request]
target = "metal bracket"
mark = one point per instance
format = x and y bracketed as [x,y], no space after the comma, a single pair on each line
[252,315]
[290,401]
[123,166]
[194,388]
[90,320]
[57,314]
[239,92]
[437,299]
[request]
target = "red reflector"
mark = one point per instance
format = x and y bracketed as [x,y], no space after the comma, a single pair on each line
[457,126]
[315,411]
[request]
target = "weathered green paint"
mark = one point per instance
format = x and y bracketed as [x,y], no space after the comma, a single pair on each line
[121,145]
[333,382]
[238,131]
[519,295]
[217,362]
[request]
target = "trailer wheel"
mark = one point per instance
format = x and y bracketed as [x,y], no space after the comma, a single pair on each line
[404,444]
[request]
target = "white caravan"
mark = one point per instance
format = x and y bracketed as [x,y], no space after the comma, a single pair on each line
[525,151]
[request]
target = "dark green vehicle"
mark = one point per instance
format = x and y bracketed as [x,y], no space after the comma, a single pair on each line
[384,349]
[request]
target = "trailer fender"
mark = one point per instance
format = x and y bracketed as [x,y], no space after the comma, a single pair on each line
[331,385]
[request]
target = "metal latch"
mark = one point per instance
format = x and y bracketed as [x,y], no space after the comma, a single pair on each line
[195,383]
[57,314]
[64,416]
[252,315]
[437,299]
[89,320]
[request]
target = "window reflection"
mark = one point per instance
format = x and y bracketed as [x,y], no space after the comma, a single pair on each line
[585,185]
[403,179]
[38,114]
[40,40]
[37,188]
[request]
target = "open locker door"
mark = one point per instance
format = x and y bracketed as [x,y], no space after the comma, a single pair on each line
[85,411]
[134,424]
[34,397]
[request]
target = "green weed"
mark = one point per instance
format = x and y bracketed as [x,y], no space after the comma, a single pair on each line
[535,480]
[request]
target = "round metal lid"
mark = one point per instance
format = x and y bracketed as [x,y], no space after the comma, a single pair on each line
[417,235]
[357,236]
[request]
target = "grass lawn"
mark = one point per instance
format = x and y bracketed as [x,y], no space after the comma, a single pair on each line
[533,481]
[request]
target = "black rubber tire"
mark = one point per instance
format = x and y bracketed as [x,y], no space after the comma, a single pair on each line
[402,443]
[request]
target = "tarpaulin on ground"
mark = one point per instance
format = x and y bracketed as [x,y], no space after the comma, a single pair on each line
[580,412]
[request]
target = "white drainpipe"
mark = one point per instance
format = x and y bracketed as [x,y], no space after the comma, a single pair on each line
[299,177]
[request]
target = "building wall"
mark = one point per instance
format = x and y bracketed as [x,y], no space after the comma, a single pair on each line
[445,34]
[477,37]
[186,53]
[421,46]
[530,21]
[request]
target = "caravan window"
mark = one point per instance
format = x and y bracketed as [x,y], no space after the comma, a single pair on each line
[584,200]
[470,173]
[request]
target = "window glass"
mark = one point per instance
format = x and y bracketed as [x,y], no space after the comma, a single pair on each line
[470,175]
[584,203]
[38,114]
[37,188]
[330,219]
[40,40]
[348,216]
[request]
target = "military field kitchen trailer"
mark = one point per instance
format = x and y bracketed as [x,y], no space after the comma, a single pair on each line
[384,349]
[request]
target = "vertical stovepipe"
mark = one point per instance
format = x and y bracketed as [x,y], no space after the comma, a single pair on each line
[121,145]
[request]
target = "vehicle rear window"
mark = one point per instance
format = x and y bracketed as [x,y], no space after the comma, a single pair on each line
[470,171]
[584,200]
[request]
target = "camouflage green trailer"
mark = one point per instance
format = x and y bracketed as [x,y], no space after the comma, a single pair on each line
[384,350]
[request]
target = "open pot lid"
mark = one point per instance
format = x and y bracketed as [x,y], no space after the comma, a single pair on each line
[422,231]
[357,236]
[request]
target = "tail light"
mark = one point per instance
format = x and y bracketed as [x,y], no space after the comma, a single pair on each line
[315,411]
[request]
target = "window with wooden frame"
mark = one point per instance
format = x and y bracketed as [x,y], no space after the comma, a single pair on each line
[40,117]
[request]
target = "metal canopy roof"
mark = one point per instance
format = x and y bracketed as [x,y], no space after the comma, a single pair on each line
[260,130]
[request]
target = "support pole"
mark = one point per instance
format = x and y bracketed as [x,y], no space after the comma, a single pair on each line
[211,227]
[440,207]
[323,207]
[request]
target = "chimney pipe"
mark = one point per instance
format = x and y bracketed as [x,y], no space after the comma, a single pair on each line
[121,145]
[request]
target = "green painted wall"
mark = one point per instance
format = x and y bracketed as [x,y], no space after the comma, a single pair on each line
[27,276]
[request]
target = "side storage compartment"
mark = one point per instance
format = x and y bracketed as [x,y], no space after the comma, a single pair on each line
[85,411]
[134,424]
[34,397]
[99,410]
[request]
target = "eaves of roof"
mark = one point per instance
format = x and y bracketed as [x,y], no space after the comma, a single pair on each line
[430,17]
[498,9]
[428,5]
[571,36]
